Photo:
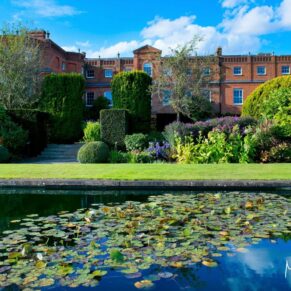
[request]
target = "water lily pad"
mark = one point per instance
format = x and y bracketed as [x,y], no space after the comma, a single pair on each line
[144,284]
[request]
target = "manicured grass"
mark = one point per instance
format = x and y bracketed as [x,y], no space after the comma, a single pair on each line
[147,171]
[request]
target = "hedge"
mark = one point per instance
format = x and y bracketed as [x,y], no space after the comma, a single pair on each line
[62,98]
[36,123]
[253,104]
[93,153]
[130,90]
[12,136]
[114,126]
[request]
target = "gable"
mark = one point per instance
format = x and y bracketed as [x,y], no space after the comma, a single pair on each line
[147,49]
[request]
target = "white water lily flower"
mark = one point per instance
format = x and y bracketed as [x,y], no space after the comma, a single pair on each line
[39,256]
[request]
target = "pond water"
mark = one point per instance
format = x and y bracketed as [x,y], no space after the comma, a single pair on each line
[82,240]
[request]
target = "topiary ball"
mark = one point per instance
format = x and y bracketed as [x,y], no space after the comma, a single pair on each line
[4,154]
[93,153]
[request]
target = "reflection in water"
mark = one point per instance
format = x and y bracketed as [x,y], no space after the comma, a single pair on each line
[261,268]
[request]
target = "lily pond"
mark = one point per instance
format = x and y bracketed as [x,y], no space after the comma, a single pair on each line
[63,240]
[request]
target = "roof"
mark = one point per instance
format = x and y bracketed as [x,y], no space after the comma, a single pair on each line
[147,48]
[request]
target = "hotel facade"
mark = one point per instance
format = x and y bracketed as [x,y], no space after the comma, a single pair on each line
[236,76]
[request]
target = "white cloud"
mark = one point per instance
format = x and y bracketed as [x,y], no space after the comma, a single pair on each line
[233,3]
[70,48]
[83,43]
[241,30]
[284,12]
[46,8]
[255,21]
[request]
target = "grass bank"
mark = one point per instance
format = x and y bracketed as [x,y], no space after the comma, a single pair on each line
[147,171]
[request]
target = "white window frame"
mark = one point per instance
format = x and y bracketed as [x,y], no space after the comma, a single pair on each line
[108,73]
[147,66]
[206,71]
[242,96]
[237,74]
[64,67]
[90,77]
[110,99]
[169,92]
[285,73]
[87,93]
[209,93]
[261,74]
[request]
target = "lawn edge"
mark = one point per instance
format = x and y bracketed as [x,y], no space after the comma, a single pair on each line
[143,184]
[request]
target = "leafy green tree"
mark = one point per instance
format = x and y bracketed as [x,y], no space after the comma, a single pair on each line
[20,64]
[131,91]
[186,77]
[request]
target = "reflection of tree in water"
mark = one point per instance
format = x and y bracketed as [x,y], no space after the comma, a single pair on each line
[15,204]
[187,278]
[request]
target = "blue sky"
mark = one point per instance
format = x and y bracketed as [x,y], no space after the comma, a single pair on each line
[107,27]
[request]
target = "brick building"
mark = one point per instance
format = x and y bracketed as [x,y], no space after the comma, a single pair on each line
[55,59]
[235,78]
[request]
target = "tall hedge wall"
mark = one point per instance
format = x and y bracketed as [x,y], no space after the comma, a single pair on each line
[36,124]
[130,90]
[253,104]
[62,98]
[114,126]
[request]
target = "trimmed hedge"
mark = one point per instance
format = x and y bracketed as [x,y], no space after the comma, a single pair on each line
[114,126]
[4,154]
[62,98]
[12,135]
[36,123]
[93,152]
[253,104]
[131,91]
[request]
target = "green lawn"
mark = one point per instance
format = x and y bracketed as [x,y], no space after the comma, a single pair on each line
[146,171]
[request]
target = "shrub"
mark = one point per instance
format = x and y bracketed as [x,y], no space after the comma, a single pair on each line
[281,153]
[155,136]
[223,124]
[114,126]
[4,154]
[130,90]
[278,107]
[12,136]
[36,124]
[174,130]
[136,142]
[217,147]
[117,157]
[93,152]
[93,113]
[92,131]
[140,158]
[62,98]
[200,108]
[160,151]
[253,104]
[269,137]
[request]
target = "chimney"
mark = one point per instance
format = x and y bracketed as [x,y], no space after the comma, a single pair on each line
[38,34]
[219,52]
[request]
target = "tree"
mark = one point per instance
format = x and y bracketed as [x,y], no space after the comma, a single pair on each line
[62,98]
[131,91]
[20,64]
[185,78]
